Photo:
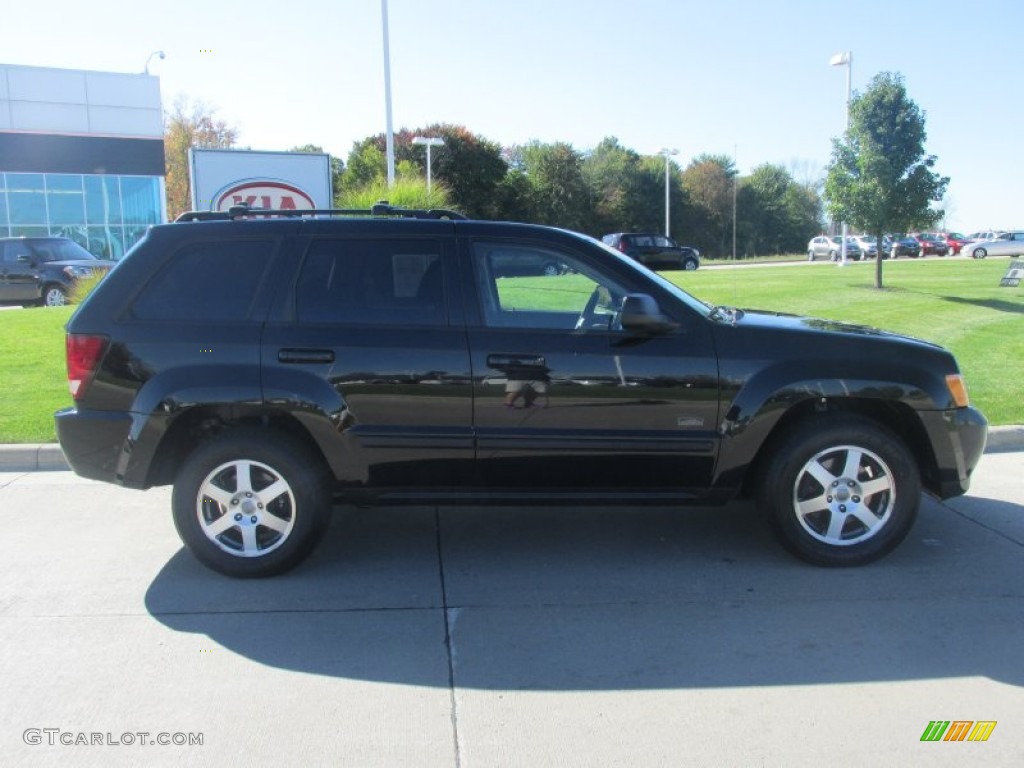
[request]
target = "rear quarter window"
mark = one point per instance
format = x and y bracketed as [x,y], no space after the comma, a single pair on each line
[206,282]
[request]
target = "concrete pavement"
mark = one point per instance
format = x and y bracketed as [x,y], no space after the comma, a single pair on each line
[507,637]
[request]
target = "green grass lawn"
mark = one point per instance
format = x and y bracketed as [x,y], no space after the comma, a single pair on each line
[33,377]
[955,302]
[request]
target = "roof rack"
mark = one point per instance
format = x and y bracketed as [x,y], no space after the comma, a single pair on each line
[243,211]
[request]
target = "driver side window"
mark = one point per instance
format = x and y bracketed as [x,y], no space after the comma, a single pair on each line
[523,286]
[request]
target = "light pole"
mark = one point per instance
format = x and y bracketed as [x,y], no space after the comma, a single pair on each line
[390,135]
[845,59]
[145,69]
[428,141]
[667,153]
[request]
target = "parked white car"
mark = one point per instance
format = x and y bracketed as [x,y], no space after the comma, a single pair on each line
[1006,244]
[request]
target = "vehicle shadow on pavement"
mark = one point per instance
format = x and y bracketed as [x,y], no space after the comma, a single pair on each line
[611,599]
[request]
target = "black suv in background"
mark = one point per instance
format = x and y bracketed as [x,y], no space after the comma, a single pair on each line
[267,367]
[43,270]
[654,251]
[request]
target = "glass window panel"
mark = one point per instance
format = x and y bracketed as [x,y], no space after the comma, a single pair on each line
[66,208]
[3,207]
[140,199]
[27,208]
[25,182]
[191,286]
[102,200]
[372,282]
[76,233]
[63,182]
[106,242]
[132,235]
[25,231]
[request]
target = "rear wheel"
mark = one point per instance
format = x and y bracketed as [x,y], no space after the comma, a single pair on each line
[841,490]
[251,502]
[980,253]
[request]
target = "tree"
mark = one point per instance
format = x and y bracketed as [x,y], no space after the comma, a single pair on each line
[189,125]
[470,166]
[776,214]
[879,178]
[558,190]
[708,181]
[628,191]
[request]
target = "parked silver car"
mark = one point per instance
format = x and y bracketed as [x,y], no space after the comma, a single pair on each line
[868,245]
[1006,244]
[823,245]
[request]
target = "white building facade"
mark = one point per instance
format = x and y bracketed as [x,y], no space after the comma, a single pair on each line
[81,156]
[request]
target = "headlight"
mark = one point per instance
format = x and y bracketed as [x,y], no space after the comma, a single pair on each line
[74,272]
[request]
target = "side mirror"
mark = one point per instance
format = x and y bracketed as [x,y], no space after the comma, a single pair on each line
[642,315]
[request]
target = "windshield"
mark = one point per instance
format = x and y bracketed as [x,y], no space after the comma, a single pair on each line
[60,250]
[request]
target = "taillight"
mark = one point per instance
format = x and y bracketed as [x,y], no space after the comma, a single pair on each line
[84,352]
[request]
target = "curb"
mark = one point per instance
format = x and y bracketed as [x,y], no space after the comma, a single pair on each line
[47,457]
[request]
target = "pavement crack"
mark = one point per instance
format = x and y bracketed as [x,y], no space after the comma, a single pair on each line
[450,614]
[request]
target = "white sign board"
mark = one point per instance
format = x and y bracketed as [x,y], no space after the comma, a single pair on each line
[222,178]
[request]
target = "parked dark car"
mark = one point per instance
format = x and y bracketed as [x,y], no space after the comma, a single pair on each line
[43,270]
[267,367]
[901,245]
[931,244]
[654,251]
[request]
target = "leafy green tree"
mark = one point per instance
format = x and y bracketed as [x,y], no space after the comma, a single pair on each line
[558,190]
[189,124]
[470,166]
[628,190]
[775,213]
[708,181]
[879,178]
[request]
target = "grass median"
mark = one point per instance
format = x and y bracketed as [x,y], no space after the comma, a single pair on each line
[955,302]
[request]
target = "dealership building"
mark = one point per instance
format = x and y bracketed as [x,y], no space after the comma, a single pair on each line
[81,156]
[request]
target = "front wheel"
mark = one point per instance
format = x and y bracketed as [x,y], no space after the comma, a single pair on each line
[841,490]
[689,265]
[54,296]
[251,502]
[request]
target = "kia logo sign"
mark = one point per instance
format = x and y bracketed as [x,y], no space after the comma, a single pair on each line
[275,195]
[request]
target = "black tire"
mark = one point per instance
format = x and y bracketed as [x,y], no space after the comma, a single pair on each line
[979,253]
[829,512]
[265,529]
[551,269]
[53,296]
[690,264]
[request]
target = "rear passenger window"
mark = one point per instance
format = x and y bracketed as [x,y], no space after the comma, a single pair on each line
[372,282]
[206,282]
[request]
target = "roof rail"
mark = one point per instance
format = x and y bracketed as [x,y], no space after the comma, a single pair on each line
[382,208]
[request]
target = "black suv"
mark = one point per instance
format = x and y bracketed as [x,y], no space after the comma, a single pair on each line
[266,366]
[43,270]
[654,251]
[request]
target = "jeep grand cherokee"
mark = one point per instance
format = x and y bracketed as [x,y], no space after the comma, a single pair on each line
[265,367]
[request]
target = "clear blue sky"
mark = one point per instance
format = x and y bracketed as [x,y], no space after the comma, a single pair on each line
[747,76]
